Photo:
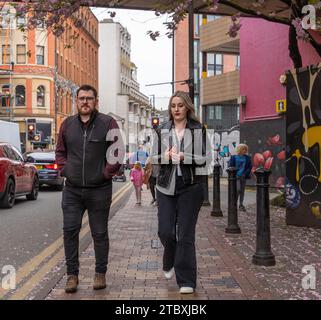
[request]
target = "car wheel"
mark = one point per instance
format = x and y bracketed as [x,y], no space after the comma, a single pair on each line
[9,197]
[33,195]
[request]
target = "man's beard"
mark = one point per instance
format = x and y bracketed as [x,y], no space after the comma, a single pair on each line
[83,112]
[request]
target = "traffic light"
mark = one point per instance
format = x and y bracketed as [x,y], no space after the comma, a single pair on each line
[37,137]
[155,122]
[31,129]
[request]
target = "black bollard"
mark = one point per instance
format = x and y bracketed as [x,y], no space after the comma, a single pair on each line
[216,210]
[263,255]
[232,225]
[206,202]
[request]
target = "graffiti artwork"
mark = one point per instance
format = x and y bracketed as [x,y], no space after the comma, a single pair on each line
[303,151]
[267,148]
[225,143]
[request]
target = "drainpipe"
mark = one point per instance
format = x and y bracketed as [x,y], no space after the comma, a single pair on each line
[173,62]
[191,48]
[55,93]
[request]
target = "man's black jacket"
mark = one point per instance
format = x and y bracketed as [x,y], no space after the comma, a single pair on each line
[84,154]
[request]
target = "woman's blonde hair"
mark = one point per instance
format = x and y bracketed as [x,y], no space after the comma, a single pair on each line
[241,146]
[187,103]
[137,165]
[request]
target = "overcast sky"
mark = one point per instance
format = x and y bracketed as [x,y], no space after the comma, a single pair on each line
[152,58]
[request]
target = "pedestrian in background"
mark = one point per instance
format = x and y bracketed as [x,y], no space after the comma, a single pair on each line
[85,159]
[140,155]
[151,171]
[179,190]
[137,178]
[242,162]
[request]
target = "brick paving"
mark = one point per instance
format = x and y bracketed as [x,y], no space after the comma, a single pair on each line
[225,271]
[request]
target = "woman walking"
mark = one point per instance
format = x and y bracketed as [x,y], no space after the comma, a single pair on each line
[179,190]
[242,162]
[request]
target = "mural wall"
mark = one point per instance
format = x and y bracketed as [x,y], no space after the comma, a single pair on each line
[303,150]
[225,142]
[266,141]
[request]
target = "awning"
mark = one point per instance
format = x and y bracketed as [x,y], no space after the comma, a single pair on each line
[279,8]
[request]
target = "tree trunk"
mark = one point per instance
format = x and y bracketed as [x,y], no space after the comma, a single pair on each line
[294,48]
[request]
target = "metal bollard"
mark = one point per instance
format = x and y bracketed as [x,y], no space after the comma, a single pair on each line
[206,202]
[263,255]
[232,224]
[216,210]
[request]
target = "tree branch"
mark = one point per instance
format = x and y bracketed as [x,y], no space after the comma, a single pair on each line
[254,13]
[294,51]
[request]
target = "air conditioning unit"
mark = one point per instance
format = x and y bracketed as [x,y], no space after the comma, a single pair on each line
[241,100]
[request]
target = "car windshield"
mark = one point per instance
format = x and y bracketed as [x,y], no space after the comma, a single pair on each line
[42,155]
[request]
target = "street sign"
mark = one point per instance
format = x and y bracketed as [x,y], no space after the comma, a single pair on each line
[280,105]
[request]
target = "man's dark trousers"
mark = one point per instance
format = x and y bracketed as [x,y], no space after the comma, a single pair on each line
[75,201]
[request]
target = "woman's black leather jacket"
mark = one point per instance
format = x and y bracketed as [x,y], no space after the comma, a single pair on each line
[196,148]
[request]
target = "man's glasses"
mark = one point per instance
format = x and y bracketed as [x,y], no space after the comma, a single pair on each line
[89,99]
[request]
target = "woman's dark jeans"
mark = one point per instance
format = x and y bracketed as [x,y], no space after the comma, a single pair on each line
[179,243]
[75,201]
[241,184]
[152,184]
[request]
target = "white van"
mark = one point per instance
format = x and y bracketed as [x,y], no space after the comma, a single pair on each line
[9,132]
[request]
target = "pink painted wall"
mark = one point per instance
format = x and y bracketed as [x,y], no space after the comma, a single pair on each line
[264,57]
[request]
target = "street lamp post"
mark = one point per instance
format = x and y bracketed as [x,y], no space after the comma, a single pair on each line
[153,103]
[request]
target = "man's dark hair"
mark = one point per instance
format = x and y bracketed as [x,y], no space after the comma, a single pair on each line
[87,87]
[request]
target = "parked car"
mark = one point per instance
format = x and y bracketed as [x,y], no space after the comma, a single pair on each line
[17,177]
[48,172]
[120,175]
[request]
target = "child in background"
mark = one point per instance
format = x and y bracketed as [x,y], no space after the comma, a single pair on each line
[137,178]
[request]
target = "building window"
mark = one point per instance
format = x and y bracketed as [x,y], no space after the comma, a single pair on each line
[20,95]
[214,64]
[218,113]
[41,96]
[6,20]
[212,17]
[41,23]
[5,97]
[196,25]
[238,62]
[40,53]
[21,53]
[211,113]
[21,21]
[6,54]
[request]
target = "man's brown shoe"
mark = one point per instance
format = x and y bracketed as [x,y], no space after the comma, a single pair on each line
[71,284]
[99,281]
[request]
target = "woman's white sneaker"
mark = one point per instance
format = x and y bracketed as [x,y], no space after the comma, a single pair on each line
[186,290]
[169,274]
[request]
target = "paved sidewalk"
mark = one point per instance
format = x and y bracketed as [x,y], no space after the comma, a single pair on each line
[225,270]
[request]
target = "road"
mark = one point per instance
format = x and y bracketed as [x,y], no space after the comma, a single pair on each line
[31,231]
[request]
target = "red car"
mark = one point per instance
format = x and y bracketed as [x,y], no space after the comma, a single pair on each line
[17,177]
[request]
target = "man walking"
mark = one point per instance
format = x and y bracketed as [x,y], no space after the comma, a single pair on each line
[89,152]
